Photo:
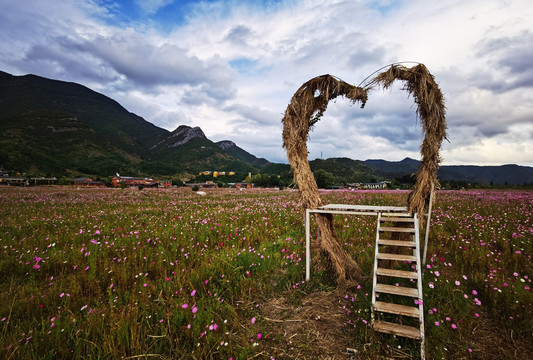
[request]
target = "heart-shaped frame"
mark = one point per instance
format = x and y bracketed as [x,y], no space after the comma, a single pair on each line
[307,106]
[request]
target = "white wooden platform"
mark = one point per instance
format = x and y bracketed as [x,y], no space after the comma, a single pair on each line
[344,209]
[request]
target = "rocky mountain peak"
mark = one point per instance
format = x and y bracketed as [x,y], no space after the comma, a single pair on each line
[183,134]
[226,144]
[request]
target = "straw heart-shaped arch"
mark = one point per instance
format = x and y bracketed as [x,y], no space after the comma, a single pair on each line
[307,106]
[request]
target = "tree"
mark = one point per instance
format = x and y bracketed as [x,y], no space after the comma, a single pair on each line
[324,179]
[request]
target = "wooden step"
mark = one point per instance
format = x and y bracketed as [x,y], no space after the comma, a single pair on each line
[397,219]
[397,257]
[396,229]
[397,290]
[397,329]
[397,273]
[397,309]
[397,214]
[396,243]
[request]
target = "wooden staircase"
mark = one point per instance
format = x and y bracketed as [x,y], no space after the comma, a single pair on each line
[397,266]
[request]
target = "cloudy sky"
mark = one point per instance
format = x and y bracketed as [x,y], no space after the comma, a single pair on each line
[231,67]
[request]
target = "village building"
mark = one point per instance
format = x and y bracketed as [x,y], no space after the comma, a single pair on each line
[130,181]
[204,185]
[13,181]
[241,185]
[376,185]
[81,181]
[43,180]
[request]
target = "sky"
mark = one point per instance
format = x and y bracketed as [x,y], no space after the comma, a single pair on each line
[231,67]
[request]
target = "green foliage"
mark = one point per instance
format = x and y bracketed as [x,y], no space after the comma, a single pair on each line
[63,181]
[324,179]
[266,180]
[345,170]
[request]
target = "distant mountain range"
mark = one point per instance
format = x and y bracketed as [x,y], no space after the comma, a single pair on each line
[62,128]
[51,127]
[403,171]
[485,175]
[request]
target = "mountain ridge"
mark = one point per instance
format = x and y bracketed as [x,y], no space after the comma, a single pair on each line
[508,174]
[231,148]
[56,127]
[66,129]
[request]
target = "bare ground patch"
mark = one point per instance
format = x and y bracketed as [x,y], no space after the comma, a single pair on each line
[313,329]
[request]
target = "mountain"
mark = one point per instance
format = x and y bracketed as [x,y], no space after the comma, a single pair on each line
[346,170]
[404,167]
[62,128]
[181,136]
[51,127]
[230,148]
[485,175]
[187,149]
[502,175]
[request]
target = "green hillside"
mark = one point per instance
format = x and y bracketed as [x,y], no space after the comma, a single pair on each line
[50,127]
[345,170]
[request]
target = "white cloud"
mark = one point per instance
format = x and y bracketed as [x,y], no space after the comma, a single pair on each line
[514,147]
[232,67]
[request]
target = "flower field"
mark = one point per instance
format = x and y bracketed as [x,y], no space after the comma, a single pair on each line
[169,274]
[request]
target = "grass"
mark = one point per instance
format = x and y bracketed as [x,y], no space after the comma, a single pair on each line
[169,274]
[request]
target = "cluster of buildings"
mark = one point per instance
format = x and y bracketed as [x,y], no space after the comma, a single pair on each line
[375,185]
[217,173]
[117,181]
[129,181]
[18,180]
[213,185]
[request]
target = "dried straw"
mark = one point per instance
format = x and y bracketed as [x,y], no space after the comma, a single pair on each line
[307,106]
[431,112]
